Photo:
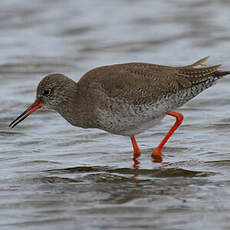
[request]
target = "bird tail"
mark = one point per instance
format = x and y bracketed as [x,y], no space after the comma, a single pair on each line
[199,62]
[220,74]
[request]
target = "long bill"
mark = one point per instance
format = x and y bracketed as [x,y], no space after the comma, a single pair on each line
[36,105]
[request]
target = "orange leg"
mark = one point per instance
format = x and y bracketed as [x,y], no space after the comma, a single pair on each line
[136,150]
[156,154]
[136,153]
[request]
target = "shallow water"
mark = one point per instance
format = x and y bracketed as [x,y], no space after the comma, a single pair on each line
[55,176]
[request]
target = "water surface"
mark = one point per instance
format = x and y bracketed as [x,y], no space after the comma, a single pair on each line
[55,176]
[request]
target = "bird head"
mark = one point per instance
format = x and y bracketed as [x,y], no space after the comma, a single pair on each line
[52,91]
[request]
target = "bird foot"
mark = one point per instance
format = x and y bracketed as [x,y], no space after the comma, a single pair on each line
[136,154]
[157,155]
[135,163]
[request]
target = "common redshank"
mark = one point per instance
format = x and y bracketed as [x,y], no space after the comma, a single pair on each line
[124,99]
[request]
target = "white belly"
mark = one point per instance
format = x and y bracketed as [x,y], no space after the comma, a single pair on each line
[130,120]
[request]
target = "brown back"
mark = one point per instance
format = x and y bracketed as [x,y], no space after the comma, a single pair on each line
[144,82]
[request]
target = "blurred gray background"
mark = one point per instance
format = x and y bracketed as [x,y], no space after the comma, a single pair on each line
[55,176]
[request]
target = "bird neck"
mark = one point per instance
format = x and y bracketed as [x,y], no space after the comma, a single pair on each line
[77,110]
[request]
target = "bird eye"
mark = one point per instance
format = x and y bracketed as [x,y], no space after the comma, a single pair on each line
[47,92]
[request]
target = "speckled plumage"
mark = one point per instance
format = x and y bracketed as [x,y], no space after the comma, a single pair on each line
[128,98]
[125,98]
